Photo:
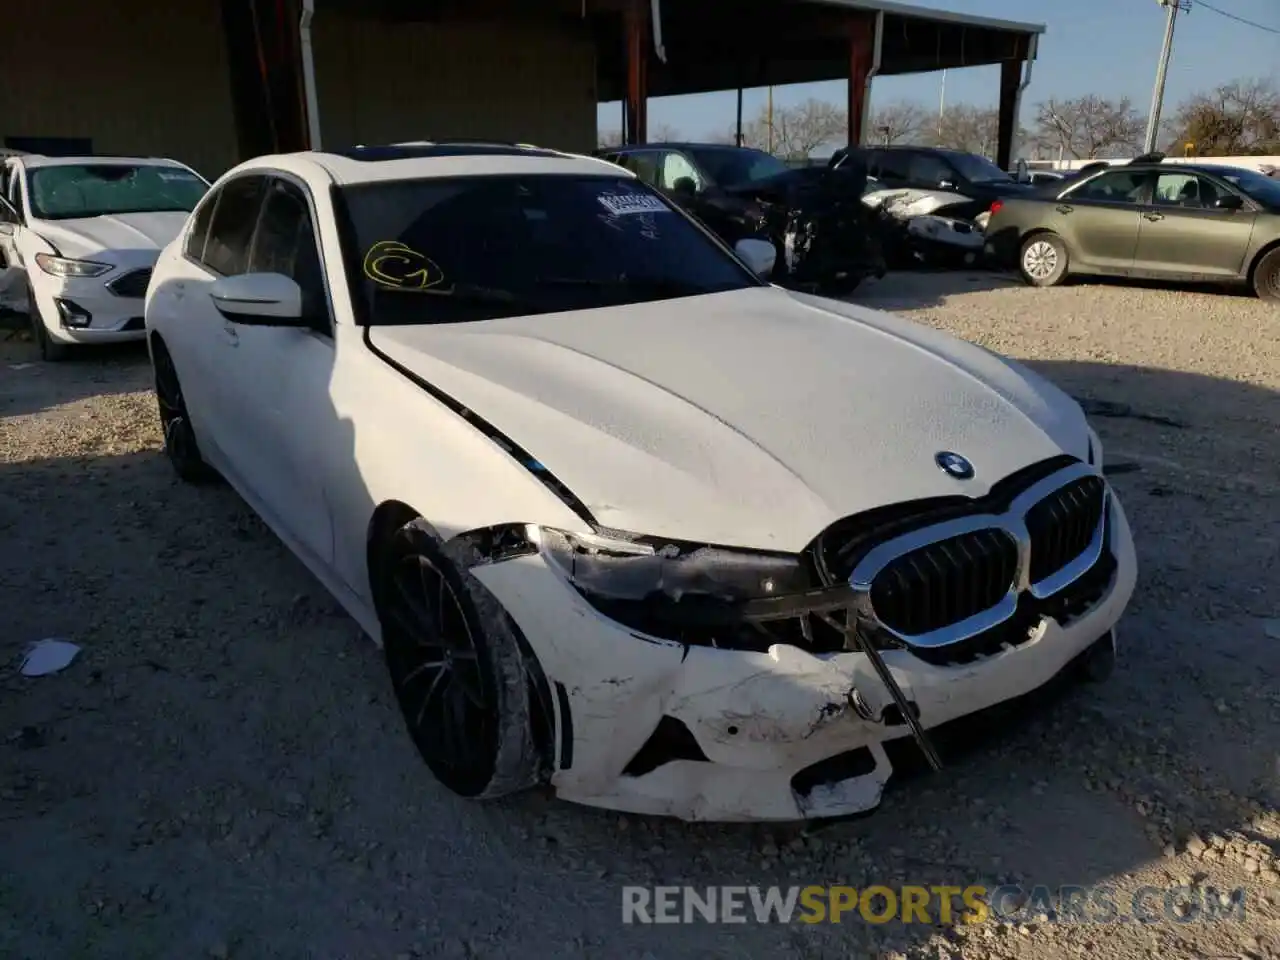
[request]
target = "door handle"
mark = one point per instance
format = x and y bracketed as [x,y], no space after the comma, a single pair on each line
[1065,208]
[1153,216]
[232,335]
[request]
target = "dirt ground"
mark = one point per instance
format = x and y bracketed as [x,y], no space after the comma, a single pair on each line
[221,773]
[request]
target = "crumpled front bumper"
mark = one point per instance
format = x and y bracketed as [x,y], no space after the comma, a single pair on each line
[784,734]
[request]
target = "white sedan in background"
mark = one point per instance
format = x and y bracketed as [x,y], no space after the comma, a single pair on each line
[78,238]
[625,518]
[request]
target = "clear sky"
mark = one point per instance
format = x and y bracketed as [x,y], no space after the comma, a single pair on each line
[1107,47]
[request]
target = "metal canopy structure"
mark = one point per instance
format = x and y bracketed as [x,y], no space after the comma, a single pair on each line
[648,48]
[714,45]
[676,47]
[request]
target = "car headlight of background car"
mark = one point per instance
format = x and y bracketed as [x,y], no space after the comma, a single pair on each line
[71,269]
[659,589]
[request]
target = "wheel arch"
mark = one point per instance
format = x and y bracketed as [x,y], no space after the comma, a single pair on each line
[1271,247]
[389,517]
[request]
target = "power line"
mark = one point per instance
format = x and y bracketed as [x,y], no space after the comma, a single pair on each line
[1237,19]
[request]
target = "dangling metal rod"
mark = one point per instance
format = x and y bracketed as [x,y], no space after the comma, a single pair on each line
[858,641]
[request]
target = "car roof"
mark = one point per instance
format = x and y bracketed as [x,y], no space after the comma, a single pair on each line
[33,160]
[440,158]
[675,145]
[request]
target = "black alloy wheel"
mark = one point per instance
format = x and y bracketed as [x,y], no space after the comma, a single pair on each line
[179,438]
[440,667]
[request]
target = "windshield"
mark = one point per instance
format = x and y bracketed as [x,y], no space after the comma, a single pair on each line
[976,169]
[1261,188]
[453,250]
[67,191]
[734,166]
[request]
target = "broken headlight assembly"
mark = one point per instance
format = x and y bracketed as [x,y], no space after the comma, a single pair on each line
[669,589]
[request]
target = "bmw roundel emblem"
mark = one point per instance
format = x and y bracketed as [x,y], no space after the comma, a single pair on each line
[953,465]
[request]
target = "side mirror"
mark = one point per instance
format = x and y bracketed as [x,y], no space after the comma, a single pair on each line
[1228,202]
[259,299]
[759,255]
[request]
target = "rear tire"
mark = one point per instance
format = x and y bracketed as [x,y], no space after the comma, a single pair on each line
[1043,260]
[1266,277]
[180,444]
[50,350]
[458,672]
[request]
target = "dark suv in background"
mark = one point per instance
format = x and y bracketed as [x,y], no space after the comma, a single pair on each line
[813,216]
[933,168]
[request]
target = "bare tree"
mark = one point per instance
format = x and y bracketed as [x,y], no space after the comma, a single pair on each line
[796,131]
[1234,119]
[657,133]
[898,122]
[1088,127]
[968,128]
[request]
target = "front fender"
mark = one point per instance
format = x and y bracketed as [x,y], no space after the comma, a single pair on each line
[402,445]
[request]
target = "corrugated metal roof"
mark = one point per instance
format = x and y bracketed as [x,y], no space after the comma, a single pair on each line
[930,13]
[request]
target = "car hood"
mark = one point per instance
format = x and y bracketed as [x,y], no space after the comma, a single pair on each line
[751,418]
[85,236]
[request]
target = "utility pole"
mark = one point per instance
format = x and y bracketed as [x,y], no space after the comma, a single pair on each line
[942,105]
[1157,95]
[769,120]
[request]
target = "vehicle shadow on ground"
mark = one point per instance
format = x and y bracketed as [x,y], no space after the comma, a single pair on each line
[224,763]
[920,289]
[29,384]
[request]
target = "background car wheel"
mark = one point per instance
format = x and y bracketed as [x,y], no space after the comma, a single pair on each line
[179,438]
[1043,260]
[1266,277]
[50,349]
[460,677]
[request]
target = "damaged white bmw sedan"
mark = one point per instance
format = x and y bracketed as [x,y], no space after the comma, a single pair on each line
[625,518]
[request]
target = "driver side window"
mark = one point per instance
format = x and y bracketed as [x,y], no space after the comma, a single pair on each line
[1119,186]
[285,243]
[928,169]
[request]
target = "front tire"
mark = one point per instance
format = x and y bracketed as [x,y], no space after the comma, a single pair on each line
[1266,277]
[456,665]
[50,350]
[1042,261]
[180,444]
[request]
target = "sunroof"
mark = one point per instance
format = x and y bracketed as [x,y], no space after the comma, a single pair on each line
[442,148]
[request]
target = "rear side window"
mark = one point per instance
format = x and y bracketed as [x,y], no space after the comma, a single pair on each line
[894,164]
[200,229]
[231,230]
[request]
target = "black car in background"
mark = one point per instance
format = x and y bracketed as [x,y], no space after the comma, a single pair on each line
[975,178]
[814,216]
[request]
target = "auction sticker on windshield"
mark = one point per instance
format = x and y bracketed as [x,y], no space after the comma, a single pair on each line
[624,204]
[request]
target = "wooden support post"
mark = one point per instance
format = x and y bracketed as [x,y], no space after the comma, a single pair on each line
[1010,94]
[861,51]
[637,35]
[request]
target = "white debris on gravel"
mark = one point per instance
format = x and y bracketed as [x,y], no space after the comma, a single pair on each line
[48,656]
[227,776]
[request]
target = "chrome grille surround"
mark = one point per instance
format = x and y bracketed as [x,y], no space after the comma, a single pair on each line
[1012,523]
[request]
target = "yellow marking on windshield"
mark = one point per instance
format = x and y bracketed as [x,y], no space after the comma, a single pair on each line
[392,264]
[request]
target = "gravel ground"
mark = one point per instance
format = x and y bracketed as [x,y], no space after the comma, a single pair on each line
[222,774]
